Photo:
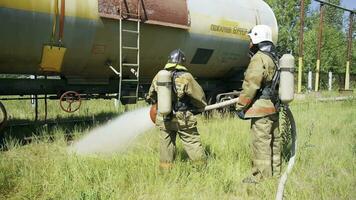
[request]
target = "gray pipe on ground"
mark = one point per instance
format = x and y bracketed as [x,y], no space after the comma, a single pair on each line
[221,104]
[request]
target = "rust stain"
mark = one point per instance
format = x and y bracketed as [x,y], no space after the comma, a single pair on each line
[98,49]
[163,12]
[110,7]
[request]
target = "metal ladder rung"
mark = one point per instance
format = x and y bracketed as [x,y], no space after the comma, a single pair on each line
[129,84]
[130,64]
[130,48]
[129,14]
[129,97]
[129,80]
[130,31]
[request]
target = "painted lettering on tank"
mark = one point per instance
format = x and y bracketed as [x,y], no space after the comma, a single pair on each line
[241,31]
[230,30]
[222,29]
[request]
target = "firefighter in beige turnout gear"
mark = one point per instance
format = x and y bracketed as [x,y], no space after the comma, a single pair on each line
[188,99]
[258,102]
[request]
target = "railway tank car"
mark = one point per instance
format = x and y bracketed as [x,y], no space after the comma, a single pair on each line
[117,46]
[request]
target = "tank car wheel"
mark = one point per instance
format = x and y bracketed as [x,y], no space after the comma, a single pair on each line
[3,116]
[70,101]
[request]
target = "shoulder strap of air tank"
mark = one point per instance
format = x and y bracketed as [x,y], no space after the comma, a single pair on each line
[273,57]
[276,75]
[174,76]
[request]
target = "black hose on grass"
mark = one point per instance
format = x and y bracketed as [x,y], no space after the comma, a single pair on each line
[283,179]
[289,121]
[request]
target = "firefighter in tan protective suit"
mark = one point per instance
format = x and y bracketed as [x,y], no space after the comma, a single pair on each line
[259,103]
[187,99]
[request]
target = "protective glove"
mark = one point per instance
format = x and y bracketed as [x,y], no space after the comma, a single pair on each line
[150,100]
[197,111]
[153,113]
[240,114]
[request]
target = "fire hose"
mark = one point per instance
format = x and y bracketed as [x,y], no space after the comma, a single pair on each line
[289,116]
[221,104]
[283,179]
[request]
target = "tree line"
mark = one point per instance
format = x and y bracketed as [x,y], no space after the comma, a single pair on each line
[335,34]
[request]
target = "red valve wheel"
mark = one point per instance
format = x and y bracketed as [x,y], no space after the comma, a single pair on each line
[70,101]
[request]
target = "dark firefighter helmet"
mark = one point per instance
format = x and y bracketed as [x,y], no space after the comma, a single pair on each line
[176,56]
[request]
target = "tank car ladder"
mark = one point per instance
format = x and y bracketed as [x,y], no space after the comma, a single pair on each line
[133,67]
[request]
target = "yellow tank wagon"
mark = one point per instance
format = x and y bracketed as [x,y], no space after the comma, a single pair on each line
[106,47]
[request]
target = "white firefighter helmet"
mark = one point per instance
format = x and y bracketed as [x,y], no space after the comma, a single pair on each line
[260,33]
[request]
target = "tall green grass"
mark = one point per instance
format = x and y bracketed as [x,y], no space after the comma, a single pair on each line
[324,169]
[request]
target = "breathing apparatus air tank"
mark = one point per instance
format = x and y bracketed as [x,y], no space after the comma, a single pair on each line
[164,92]
[286,84]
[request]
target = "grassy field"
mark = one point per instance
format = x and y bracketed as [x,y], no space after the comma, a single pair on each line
[325,167]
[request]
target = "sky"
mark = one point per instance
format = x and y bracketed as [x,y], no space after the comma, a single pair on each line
[349,4]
